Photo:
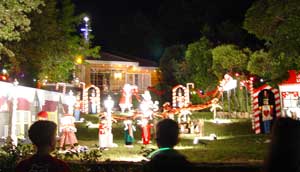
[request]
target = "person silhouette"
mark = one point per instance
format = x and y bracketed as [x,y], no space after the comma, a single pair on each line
[284,149]
[166,158]
[42,134]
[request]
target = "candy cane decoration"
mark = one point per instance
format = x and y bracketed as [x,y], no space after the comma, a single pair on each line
[63,86]
[84,97]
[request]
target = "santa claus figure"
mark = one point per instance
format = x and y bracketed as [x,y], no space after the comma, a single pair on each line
[126,98]
[67,130]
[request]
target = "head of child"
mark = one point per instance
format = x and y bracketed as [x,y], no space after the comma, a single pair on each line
[43,135]
[167,131]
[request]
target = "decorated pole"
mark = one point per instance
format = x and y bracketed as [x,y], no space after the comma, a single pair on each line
[12,128]
[109,104]
[251,97]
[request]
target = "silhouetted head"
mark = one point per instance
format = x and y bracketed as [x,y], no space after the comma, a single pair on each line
[43,134]
[167,131]
[284,151]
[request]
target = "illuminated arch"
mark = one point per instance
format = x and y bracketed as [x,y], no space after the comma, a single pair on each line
[85,98]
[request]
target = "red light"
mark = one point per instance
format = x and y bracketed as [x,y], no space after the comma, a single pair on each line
[3,78]
[237,74]
[252,78]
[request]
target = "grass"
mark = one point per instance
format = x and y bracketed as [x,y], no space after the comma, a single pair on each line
[235,142]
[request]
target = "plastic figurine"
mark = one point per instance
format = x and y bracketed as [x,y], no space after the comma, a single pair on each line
[266,111]
[68,129]
[214,106]
[103,142]
[146,131]
[129,129]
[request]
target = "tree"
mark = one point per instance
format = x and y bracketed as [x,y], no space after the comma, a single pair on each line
[198,60]
[14,20]
[169,63]
[277,23]
[229,59]
[50,48]
[271,69]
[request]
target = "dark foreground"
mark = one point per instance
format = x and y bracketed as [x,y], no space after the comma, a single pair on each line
[113,166]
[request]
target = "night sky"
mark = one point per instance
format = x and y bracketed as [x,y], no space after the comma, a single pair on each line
[144,28]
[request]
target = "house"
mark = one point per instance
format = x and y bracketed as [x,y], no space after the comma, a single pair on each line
[290,95]
[111,72]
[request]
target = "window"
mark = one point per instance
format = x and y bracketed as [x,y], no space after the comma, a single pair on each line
[100,79]
[142,81]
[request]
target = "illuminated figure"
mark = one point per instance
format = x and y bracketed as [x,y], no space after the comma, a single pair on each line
[184,116]
[67,129]
[180,99]
[109,104]
[129,129]
[93,105]
[184,120]
[147,106]
[71,100]
[146,131]
[103,129]
[126,97]
[266,111]
[214,106]
[77,108]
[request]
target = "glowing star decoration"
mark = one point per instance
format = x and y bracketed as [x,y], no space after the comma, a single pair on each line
[214,106]
[86,29]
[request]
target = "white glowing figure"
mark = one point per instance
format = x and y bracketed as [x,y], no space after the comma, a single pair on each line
[184,116]
[70,100]
[214,107]
[147,105]
[126,97]
[109,104]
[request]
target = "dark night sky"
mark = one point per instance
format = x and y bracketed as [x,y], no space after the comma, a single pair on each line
[144,28]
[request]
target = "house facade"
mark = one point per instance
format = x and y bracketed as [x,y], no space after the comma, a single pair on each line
[111,72]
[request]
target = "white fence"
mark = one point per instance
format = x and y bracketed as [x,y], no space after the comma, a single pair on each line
[19,106]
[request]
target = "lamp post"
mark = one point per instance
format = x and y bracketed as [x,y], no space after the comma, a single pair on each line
[109,104]
[12,133]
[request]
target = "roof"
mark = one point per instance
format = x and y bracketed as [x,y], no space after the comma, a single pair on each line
[106,56]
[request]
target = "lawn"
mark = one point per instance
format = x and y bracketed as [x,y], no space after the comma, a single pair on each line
[235,142]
